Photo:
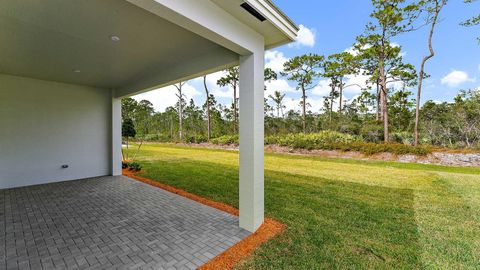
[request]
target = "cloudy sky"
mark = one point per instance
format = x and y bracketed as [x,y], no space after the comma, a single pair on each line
[331,26]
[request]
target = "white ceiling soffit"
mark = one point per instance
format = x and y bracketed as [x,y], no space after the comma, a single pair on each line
[102,43]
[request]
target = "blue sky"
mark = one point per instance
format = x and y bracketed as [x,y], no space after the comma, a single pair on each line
[331,26]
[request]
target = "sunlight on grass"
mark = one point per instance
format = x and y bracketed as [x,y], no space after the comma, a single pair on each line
[342,213]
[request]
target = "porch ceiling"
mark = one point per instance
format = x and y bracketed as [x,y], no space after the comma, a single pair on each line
[70,41]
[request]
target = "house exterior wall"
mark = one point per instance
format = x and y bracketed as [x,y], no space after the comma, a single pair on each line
[44,125]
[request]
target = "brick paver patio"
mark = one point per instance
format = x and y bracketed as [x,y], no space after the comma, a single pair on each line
[109,223]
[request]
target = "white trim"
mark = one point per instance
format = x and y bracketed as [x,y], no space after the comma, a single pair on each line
[276,17]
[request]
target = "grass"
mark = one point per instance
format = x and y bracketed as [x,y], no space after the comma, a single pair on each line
[342,213]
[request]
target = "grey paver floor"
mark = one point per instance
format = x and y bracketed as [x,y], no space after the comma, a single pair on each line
[109,223]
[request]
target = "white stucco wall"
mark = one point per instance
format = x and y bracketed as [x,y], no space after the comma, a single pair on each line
[44,125]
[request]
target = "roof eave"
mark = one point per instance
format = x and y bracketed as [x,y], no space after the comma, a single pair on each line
[274,15]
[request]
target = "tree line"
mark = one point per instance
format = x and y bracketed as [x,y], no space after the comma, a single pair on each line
[385,111]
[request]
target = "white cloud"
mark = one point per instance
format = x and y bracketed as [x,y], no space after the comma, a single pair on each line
[322,89]
[306,37]
[456,78]
[213,87]
[281,85]
[166,96]
[313,104]
[292,104]
[275,60]
[355,83]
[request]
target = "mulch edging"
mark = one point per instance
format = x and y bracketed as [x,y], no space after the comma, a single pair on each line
[232,256]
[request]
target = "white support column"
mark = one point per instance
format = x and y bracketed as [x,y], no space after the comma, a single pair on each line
[116,136]
[251,140]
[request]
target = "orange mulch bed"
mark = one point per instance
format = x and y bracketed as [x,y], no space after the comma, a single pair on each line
[229,258]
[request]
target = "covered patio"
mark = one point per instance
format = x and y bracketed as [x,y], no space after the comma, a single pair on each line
[65,67]
[110,222]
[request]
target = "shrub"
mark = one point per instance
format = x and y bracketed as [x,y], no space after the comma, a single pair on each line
[310,141]
[157,138]
[372,132]
[201,139]
[195,139]
[134,166]
[226,140]
[331,140]
[375,148]
[402,137]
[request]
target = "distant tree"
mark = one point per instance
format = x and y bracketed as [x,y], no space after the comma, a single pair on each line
[129,105]
[373,52]
[270,75]
[180,105]
[329,101]
[390,19]
[143,114]
[400,111]
[207,108]
[475,20]
[365,102]
[172,119]
[337,67]
[304,70]
[232,78]
[219,125]
[277,98]
[433,9]
[454,124]
[128,131]
[194,121]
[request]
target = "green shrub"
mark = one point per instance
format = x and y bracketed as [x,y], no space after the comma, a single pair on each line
[331,140]
[134,166]
[157,138]
[372,132]
[402,137]
[375,148]
[226,140]
[195,139]
[189,139]
[201,139]
[310,141]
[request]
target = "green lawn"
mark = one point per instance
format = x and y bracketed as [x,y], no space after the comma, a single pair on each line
[342,213]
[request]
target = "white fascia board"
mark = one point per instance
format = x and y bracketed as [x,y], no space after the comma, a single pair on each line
[276,17]
[208,20]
